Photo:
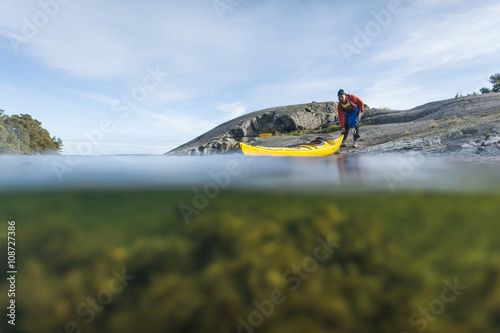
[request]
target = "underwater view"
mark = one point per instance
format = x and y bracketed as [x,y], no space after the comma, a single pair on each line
[234,244]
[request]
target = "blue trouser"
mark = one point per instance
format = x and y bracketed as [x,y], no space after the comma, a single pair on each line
[352,119]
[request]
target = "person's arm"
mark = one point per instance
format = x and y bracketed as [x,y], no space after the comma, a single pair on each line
[358,102]
[341,116]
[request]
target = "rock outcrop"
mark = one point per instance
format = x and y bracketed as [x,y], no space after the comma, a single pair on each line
[246,128]
[460,127]
[465,126]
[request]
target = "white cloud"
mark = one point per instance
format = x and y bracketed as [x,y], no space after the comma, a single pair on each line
[179,123]
[393,92]
[101,98]
[168,93]
[231,110]
[123,144]
[451,37]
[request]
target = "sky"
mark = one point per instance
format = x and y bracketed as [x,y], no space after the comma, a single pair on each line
[143,77]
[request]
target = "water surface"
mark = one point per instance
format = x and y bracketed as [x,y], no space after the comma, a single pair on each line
[382,172]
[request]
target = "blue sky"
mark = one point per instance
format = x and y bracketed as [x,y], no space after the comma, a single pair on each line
[117,77]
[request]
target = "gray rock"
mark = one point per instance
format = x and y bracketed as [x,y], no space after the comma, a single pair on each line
[465,126]
[246,128]
[462,127]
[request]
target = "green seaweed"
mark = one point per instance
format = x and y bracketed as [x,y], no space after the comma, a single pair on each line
[251,261]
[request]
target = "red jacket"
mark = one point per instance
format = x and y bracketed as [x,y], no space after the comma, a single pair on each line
[354,100]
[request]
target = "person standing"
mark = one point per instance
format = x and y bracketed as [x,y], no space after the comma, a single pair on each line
[350,110]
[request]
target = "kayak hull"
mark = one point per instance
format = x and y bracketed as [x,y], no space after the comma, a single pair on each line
[305,150]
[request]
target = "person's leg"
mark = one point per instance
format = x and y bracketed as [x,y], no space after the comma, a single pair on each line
[356,135]
[356,131]
[346,133]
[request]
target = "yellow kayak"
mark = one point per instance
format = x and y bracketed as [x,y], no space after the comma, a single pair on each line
[315,148]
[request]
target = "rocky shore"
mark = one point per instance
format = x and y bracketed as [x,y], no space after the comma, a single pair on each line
[465,126]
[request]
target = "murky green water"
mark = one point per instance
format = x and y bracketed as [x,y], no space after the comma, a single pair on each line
[341,252]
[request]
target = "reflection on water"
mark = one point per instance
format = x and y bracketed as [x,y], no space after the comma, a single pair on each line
[351,170]
[388,172]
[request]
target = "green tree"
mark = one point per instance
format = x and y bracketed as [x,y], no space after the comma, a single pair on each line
[495,81]
[21,134]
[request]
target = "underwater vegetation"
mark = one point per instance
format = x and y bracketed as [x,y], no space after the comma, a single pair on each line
[127,261]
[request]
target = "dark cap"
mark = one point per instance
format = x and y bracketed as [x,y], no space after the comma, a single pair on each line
[341,92]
